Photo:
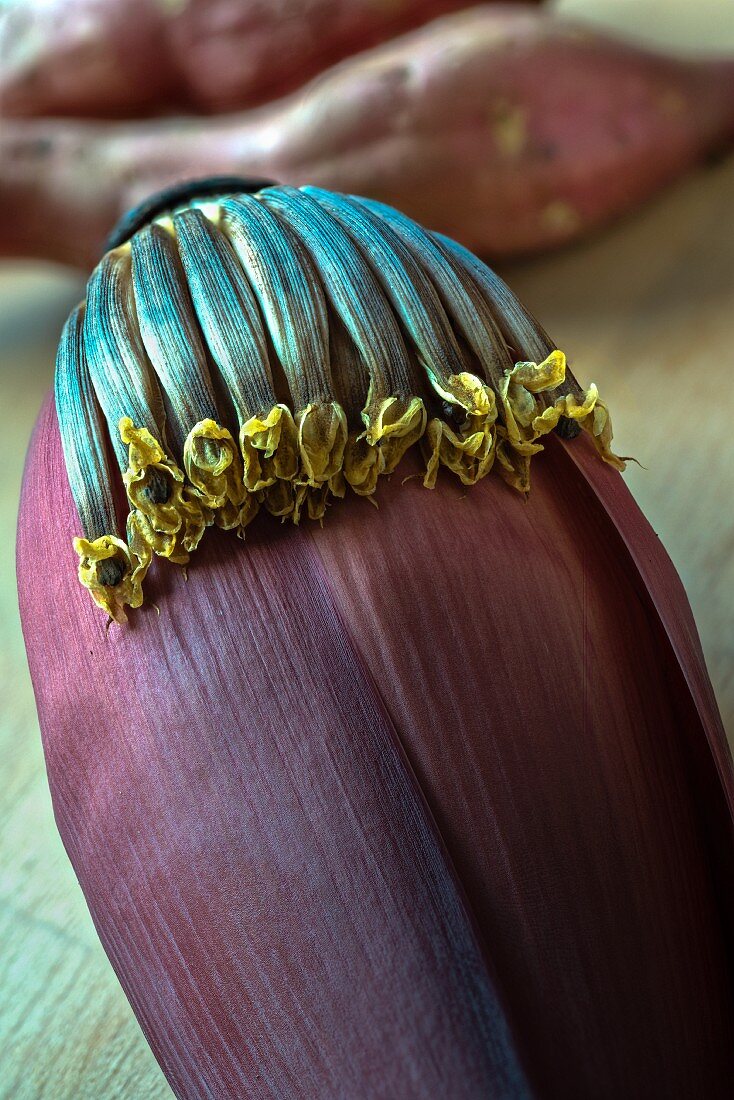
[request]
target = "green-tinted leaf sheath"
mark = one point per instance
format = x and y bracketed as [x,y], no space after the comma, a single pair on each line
[168,328]
[537,393]
[293,304]
[465,304]
[411,293]
[351,287]
[164,518]
[84,435]
[108,568]
[121,372]
[227,313]
[392,412]
[172,339]
[289,294]
[233,329]
[467,445]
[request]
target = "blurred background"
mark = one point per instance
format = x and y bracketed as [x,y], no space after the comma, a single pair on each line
[645,306]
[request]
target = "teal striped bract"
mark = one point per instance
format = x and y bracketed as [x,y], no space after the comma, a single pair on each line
[278,350]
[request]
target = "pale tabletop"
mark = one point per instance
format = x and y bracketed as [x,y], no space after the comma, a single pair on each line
[646,311]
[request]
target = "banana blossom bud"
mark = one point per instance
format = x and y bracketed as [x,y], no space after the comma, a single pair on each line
[430,801]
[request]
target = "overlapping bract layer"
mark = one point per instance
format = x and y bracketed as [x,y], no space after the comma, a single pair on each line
[430,803]
[272,350]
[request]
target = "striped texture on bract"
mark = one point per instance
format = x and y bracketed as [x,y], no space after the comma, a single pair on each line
[280,350]
[430,802]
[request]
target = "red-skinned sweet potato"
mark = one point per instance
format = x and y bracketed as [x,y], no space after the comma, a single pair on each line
[120,57]
[506,128]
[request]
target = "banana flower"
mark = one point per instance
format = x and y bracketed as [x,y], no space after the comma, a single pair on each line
[429,799]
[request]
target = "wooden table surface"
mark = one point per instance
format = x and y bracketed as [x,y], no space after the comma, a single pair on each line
[646,311]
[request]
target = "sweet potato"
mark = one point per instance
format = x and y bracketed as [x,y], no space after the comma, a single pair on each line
[121,57]
[506,128]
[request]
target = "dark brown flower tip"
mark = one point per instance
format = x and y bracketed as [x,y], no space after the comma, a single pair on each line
[567,428]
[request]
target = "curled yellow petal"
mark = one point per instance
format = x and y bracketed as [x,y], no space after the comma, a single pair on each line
[469,455]
[168,518]
[545,421]
[393,424]
[269,447]
[312,500]
[322,437]
[599,425]
[538,377]
[363,464]
[398,423]
[214,468]
[279,498]
[248,511]
[514,465]
[593,416]
[525,418]
[467,446]
[468,391]
[112,573]
[570,406]
[394,416]
[176,546]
